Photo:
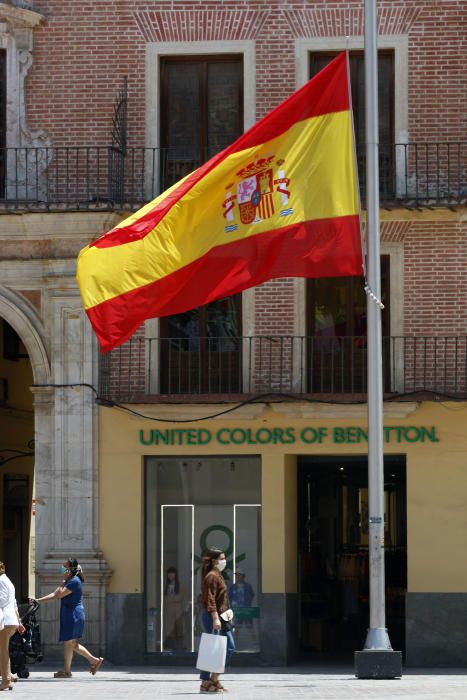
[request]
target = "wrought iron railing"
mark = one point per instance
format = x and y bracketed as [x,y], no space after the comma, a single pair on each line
[109,177]
[317,365]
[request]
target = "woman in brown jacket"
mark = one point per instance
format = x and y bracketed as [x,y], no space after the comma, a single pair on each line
[215,601]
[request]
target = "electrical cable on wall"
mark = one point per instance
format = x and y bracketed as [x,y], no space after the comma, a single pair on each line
[276,397]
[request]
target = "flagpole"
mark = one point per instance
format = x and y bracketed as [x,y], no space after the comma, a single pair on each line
[377,660]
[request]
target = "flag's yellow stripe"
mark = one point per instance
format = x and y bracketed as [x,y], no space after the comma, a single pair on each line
[318,159]
[133,218]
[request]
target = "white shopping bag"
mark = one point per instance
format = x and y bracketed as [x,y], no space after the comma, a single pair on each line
[2,620]
[212,652]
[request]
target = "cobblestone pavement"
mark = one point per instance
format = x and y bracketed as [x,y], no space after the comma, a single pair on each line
[252,684]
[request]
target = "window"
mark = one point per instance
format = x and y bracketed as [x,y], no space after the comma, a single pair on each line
[337,332]
[201,349]
[192,504]
[386,98]
[201,110]
[201,113]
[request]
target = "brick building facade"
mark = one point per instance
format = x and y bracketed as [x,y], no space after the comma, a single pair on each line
[80,149]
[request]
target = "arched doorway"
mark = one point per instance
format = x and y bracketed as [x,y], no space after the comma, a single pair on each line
[23,363]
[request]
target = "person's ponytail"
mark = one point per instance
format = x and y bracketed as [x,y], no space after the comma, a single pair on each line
[76,569]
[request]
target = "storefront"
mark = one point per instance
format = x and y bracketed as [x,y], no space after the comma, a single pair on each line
[192,504]
[282,488]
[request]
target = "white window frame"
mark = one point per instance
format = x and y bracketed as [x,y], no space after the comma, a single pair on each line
[399,44]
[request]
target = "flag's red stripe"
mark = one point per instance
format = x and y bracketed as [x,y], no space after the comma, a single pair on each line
[326,93]
[326,248]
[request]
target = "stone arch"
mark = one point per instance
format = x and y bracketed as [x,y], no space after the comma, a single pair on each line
[17,311]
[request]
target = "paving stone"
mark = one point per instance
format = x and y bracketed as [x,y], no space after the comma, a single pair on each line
[112,683]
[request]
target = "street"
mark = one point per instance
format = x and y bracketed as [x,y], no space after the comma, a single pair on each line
[298,682]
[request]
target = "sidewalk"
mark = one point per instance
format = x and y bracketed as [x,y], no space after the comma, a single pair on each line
[112,683]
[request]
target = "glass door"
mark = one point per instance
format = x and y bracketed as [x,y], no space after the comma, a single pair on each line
[186,531]
[244,590]
[177,578]
[193,504]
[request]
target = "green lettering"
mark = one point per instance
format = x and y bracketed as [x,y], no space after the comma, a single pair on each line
[411,434]
[338,435]
[351,435]
[322,433]
[191,437]
[179,436]
[142,439]
[362,435]
[277,435]
[290,434]
[220,437]
[250,438]
[242,436]
[308,435]
[430,434]
[204,436]
[160,438]
[267,437]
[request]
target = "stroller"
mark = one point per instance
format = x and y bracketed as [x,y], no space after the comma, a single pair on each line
[26,648]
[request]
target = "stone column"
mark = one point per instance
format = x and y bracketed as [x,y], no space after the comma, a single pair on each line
[67,472]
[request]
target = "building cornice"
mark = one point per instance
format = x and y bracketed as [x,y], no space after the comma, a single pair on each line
[20,17]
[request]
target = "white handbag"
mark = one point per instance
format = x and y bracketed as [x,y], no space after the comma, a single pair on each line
[212,652]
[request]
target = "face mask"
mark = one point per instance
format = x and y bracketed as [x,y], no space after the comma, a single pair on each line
[221,564]
[63,569]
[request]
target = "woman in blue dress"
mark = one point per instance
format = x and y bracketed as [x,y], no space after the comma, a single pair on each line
[70,594]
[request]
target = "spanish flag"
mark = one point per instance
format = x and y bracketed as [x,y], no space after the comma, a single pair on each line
[282,201]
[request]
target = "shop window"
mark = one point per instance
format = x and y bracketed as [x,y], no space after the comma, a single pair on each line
[201,110]
[386,97]
[336,319]
[192,504]
[201,349]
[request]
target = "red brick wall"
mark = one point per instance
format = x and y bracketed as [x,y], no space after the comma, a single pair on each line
[84,49]
[435,283]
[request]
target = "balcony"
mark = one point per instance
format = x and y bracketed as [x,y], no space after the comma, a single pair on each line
[109,178]
[151,369]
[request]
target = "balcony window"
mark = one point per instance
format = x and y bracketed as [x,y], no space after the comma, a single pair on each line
[385,111]
[201,113]
[336,316]
[200,349]
[201,110]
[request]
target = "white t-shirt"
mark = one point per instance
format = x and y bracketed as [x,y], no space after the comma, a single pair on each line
[8,601]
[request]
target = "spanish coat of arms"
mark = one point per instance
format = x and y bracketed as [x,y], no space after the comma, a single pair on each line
[254,191]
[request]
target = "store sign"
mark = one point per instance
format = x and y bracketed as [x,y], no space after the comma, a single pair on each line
[283,436]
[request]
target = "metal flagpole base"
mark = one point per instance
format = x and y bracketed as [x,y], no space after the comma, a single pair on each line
[378,659]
